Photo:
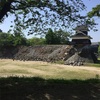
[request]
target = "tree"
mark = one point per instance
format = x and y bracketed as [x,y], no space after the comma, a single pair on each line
[36,41]
[62,36]
[6,40]
[38,15]
[57,37]
[19,38]
[51,37]
[95,12]
[11,40]
[20,41]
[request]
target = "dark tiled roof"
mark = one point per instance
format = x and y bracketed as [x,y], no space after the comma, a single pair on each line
[82,28]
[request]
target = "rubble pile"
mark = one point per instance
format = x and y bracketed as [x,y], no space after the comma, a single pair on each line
[77,60]
[87,53]
[50,53]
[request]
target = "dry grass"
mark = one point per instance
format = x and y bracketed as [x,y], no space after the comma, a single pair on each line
[55,86]
[46,70]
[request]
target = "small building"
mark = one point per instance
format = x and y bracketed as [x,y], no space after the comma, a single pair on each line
[81,37]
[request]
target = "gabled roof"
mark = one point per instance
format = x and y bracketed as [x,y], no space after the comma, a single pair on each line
[82,28]
[80,35]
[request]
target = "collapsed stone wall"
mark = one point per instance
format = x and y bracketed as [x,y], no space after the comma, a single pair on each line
[50,53]
[84,54]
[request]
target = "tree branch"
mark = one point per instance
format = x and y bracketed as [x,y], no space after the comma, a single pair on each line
[5,9]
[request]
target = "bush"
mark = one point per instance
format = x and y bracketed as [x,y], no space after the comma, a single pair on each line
[36,41]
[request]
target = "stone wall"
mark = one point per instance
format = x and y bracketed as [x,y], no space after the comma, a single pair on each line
[50,53]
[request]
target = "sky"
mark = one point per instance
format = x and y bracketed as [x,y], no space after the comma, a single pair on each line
[5,26]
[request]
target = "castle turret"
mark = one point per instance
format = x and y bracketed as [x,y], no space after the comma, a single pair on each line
[81,37]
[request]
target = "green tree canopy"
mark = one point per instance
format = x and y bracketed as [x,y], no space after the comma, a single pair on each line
[62,36]
[36,41]
[10,40]
[57,37]
[6,39]
[51,37]
[38,15]
[95,12]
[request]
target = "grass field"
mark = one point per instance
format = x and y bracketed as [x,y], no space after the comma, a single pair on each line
[46,70]
[46,81]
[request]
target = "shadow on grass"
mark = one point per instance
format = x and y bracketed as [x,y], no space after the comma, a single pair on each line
[98,61]
[35,88]
[96,64]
